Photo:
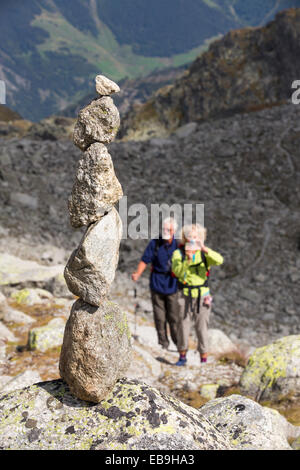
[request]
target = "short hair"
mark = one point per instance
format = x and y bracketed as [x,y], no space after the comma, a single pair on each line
[171,221]
[199,229]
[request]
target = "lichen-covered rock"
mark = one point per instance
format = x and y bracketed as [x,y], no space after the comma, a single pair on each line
[46,337]
[105,86]
[296,444]
[248,425]
[273,371]
[97,122]
[91,268]
[96,349]
[29,296]
[209,391]
[133,416]
[96,188]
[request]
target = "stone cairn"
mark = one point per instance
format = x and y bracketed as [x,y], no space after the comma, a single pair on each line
[96,348]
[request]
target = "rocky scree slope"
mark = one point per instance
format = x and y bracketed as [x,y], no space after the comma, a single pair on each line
[245,169]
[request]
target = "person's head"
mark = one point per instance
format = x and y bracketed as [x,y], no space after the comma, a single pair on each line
[169,227]
[193,234]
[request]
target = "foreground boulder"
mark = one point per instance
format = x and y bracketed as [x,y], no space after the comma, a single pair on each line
[133,416]
[273,371]
[249,425]
[96,349]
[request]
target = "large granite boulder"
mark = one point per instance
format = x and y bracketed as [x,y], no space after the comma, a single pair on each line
[248,425]
[96,349]
[91,268]
[97,122]
[96,188]
[273,371]
[134,416]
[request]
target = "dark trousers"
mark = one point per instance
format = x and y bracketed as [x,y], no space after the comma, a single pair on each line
[166,310]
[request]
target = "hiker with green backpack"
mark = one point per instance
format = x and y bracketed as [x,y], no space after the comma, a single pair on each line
[163,285]
[191,263]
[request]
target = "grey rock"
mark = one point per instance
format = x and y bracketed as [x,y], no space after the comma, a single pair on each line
[6,334]
[96,349]
[219,344]
[14,270]
[96,188]
[25,379]
[91,268]
[105,86]
[134,416]
[186,130]
[145,305]
[248,425]
[24,200]
[97,122]
[12,315]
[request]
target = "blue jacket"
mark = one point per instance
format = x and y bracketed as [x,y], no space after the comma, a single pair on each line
[161,280]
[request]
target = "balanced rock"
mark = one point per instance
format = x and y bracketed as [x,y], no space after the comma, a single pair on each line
[97,122]
[273,371]
[91,268]
[248,425]
[134,416]
[96,188]
[96,349]
[105,86]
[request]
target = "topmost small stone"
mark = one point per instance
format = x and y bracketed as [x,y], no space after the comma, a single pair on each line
[105,86]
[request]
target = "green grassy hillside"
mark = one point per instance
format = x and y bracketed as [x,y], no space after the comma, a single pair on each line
[51,50]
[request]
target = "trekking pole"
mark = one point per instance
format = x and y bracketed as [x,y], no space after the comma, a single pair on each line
[135,311]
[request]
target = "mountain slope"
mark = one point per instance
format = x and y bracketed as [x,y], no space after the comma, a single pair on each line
[51,50]
[247,69]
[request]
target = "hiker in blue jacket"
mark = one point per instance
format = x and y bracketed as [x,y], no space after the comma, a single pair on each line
[163,285]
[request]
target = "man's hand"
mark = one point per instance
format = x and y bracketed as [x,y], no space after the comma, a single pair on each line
[135,276]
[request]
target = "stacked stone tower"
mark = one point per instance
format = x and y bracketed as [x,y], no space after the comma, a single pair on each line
[96,348]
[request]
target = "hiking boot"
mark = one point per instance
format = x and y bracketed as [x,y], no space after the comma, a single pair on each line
[181,361]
